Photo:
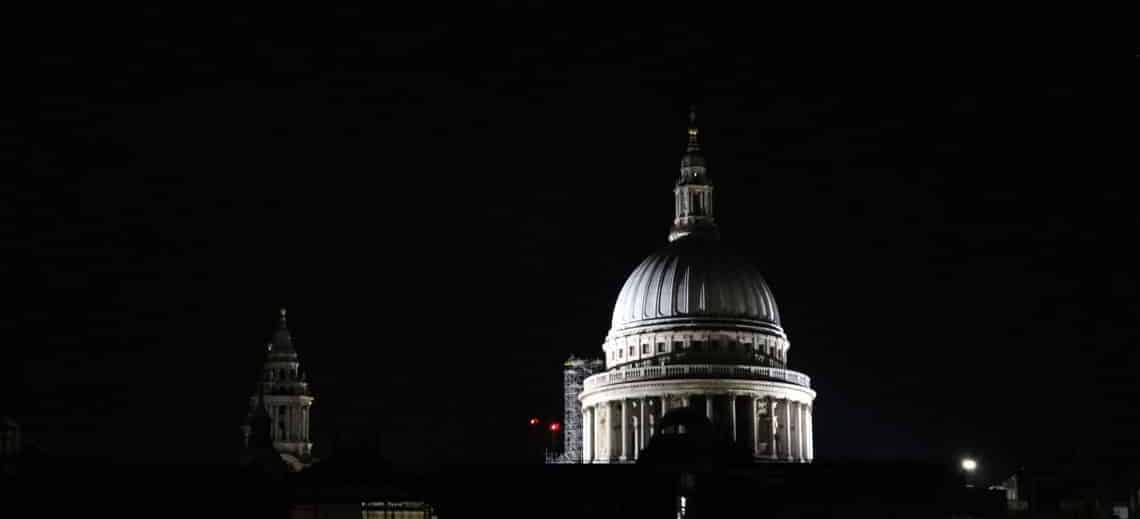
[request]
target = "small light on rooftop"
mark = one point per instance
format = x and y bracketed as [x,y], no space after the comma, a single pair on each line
[969,465]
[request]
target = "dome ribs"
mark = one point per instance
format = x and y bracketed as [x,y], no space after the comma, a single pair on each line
[700,281]
[653,287]
[683,302]
[751,295]
[694,278]
[773,313]
[665,288]
[762,306]
[635,293]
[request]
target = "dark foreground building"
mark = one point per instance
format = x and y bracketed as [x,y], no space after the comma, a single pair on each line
[824,490]
[361,486]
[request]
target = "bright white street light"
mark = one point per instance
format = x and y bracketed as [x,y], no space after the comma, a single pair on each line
[969,465]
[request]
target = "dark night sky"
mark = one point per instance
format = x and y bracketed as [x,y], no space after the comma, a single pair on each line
[448,212]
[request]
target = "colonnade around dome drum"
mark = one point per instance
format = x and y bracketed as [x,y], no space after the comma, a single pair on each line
[773,427]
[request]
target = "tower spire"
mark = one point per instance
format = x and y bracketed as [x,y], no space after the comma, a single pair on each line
[283,400]
[693,208]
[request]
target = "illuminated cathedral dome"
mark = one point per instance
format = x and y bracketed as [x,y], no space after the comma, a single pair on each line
[695,331]
[695,279]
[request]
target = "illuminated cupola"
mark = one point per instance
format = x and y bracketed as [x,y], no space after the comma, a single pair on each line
[693,194]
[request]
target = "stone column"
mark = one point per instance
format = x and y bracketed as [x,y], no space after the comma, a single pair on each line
[608,429]
[601,438]
[709,407]
[732,414]
[787,423]
[792,433]
[636,440]
[773,427]
[810,435]
[754,423]
[625,437]
[799,419]
[613,423]
[803,433]
[684,403]
[587,434]
[602,431]
[642,437]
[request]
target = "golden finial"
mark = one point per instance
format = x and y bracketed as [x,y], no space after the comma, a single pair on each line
[282,324]
[693,125]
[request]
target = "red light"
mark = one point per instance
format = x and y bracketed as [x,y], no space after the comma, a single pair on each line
[555,426]
[534,421]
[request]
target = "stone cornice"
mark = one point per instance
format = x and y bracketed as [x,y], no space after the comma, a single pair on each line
[657,388]
[695,323]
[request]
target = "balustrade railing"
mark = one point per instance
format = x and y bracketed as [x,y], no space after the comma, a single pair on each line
[695,371]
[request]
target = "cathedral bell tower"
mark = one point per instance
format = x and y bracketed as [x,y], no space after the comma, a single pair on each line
[282,402]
